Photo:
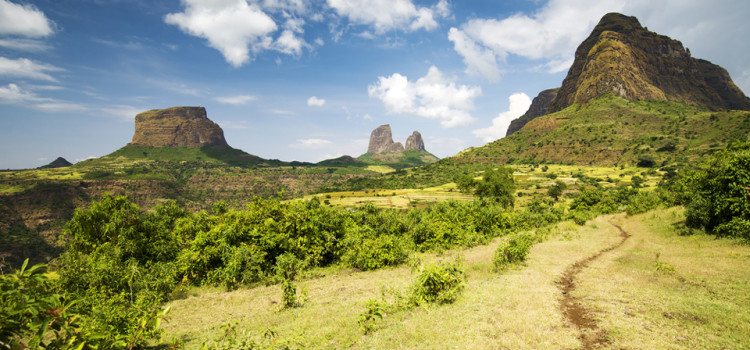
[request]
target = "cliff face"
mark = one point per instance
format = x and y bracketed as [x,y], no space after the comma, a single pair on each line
[177,127]
[623,58]
[415,142]
[381,140]
[539,107]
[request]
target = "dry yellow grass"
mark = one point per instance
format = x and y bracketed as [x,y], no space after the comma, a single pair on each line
[701,304]
[517,309]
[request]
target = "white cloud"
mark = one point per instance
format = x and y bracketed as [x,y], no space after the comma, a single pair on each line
[294,6]
[432,96]
[30,45]
[317,102]
[13,94]
[23,20]
[290,44]
[236,100]
[519,104]
[311,144]
[552,33]
[367,117]
[233,27]
[386,15]
[26,68]
[479,60]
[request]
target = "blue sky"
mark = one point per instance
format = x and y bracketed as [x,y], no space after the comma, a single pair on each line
[308,80]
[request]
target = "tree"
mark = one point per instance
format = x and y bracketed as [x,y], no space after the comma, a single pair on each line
[465,183]
[497,186]
[556,190]
[715,194]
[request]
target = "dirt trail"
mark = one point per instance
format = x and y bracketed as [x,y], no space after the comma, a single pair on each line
[591,336]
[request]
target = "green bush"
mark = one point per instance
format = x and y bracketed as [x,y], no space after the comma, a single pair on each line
[366,250]
[714,193]
[643,202]
[513,250]
[438,284]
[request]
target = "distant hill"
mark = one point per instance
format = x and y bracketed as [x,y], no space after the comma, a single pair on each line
[382,150]
[60,162]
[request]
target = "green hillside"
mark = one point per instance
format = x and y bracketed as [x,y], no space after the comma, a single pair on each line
[614,131]
[399,160]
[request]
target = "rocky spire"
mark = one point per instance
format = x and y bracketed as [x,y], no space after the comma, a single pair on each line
[381,140]
[414,142]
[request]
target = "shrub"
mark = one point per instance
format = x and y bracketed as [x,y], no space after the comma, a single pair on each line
[375,310]
[643,202]
[366,250]
[513,250]
[438,284]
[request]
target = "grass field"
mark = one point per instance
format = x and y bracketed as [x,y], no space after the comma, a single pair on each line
[532,182]
[696,298]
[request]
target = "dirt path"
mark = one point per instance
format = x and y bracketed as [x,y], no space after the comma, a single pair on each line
[591,336]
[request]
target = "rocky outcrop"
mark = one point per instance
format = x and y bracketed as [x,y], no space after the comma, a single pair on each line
[623,58]
[177,127]
[539,107]
[381,140]
[414,142]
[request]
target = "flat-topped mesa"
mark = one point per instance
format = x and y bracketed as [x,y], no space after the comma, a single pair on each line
[621,57]
[177,127]
[414,142]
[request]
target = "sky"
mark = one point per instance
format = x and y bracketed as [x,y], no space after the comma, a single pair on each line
[309,80]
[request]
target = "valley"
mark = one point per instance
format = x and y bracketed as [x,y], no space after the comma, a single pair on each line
[614,214]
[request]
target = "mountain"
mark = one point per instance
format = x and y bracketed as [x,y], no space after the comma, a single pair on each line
[382,150]
[622,58]
[177,127]
[539,107]
[414,142]
[381,141]
[631,97]
[60,162]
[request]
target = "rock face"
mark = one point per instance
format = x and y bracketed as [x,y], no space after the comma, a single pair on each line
[623,58]
[415,142]
[177,127]
[381,140]
[539,107]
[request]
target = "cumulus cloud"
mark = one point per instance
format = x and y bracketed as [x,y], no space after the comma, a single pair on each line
[233,27]
[23,20]
[310,144]
[236,100]
[432,96]
[317,102]
[519,104]
[479,60]
[386,15]
[552,33]
[26,68]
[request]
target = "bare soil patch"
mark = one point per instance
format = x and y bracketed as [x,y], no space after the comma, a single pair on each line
[592,337]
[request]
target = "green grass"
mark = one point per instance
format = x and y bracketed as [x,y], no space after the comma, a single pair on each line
[701,305]
[614,131]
